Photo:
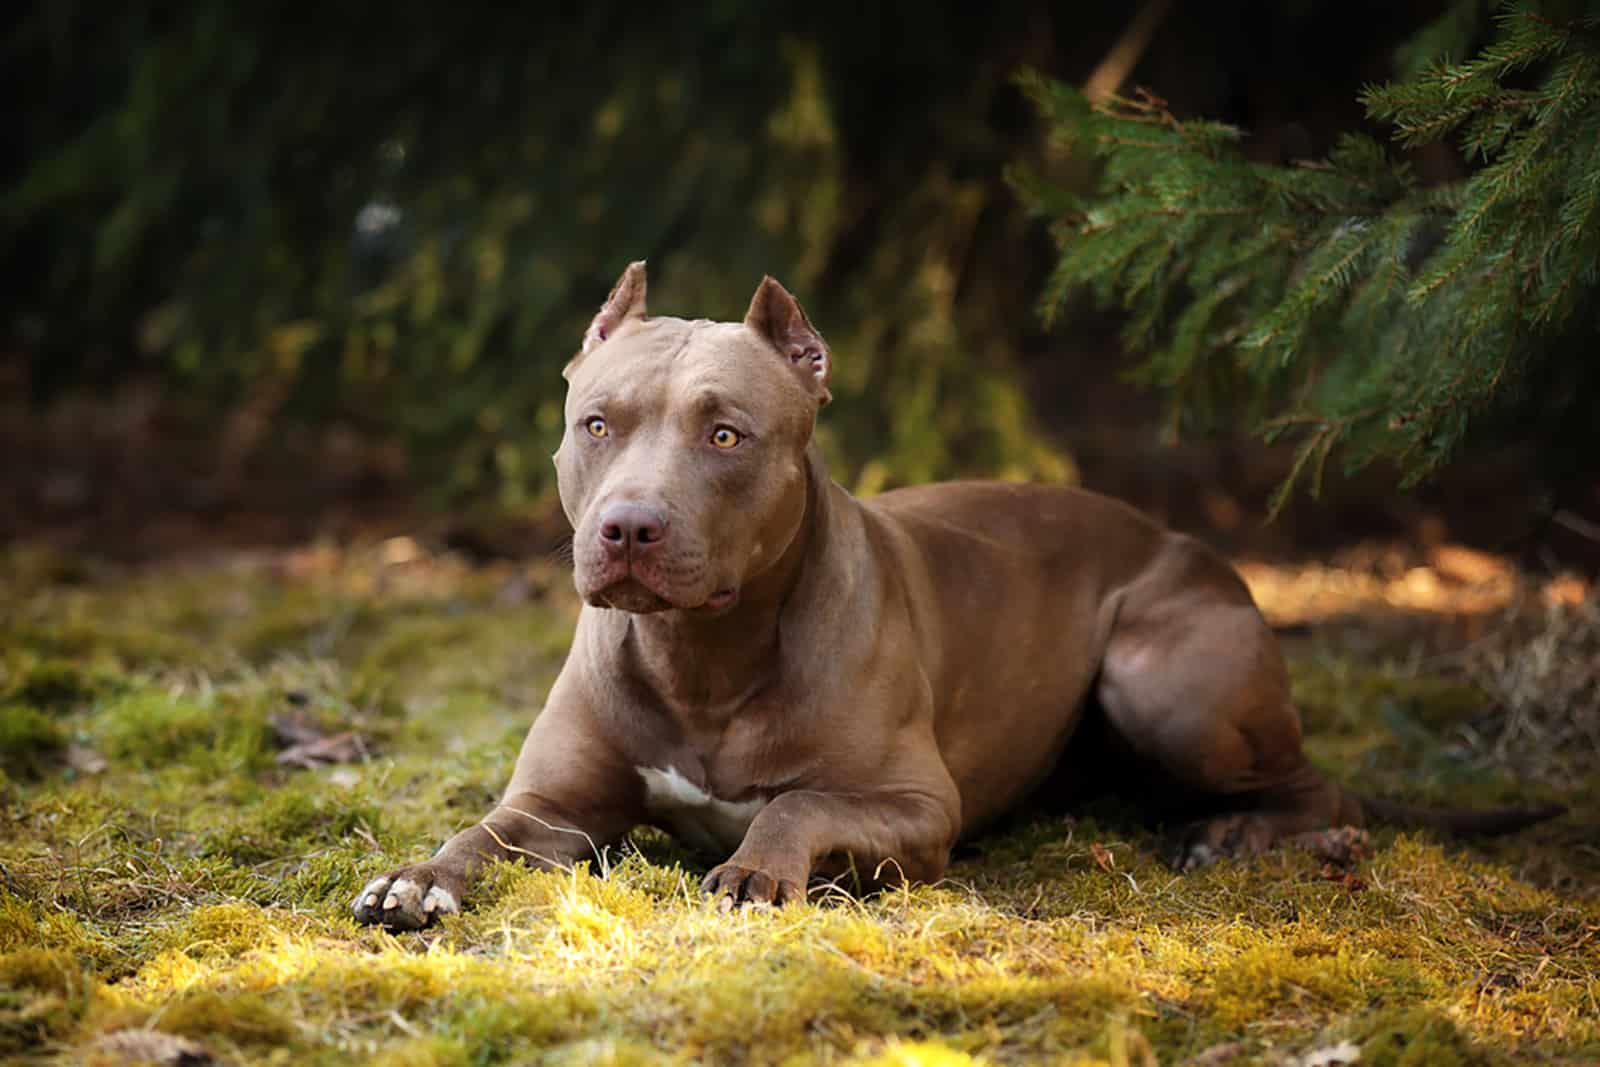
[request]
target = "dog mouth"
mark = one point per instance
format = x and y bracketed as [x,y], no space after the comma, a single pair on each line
[722,600]
[632,595]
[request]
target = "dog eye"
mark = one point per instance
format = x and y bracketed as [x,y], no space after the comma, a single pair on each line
[596,427]
[726,437]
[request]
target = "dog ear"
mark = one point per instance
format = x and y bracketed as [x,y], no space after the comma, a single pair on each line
[625,302]
[778,317]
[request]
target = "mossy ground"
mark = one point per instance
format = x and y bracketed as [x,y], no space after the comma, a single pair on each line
[194,887]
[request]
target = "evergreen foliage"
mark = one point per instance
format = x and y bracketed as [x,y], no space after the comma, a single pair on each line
[1344,302]
[401,218]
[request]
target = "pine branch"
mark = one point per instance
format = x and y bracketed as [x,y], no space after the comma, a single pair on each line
[1379,318]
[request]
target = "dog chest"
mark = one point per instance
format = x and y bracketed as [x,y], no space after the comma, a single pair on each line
[693,815]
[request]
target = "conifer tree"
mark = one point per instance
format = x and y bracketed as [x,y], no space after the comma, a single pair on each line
[1342,302]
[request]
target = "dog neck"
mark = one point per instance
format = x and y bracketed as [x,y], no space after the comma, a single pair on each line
[709,667]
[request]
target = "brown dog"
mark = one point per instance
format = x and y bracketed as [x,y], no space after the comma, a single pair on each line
[769,667]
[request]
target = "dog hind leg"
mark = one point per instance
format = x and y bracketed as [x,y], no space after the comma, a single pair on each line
[1199,689]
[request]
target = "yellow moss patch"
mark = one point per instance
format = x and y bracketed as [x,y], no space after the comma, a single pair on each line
[917,1054]
[25,925]
[239,1018]
[232,930]
[1306,977]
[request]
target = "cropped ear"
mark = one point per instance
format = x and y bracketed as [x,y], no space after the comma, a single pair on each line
[778,317]
[625,302]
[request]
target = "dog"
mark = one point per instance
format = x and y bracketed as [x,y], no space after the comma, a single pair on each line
[804,684]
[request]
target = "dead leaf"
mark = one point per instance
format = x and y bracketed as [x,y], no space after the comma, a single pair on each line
[344,778]
[1331,873]
[84,759]
[295,727]
[1343,1052]
[152,1046]
[1216,1055]
[308,747]
[345,747]
[1103,857]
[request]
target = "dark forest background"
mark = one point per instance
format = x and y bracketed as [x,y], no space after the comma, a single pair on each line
[278,269]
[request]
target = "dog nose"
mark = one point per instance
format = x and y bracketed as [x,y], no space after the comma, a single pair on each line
[625,527]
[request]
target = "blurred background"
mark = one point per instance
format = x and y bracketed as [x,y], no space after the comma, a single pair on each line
[295,270]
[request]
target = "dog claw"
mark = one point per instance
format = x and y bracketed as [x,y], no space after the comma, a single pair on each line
[406,901]
[743,888]
[439,900]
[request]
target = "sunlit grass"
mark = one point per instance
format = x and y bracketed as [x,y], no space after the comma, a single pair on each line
[193,887]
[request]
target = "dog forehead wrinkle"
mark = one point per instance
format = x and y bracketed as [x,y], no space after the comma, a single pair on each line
[712,380]
[704,397]
[621,394]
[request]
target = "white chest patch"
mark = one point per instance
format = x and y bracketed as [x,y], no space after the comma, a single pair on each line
[694,816]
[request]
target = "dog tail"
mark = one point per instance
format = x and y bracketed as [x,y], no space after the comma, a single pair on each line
[1485,822]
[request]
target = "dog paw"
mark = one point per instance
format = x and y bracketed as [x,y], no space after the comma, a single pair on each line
[1184,855]
[733,886]
[409,898]
[1233,836]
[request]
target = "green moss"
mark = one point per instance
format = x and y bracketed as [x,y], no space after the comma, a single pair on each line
[230,930]
[58,685]
[1420,1037]
[290,820]
[150,728]
[26,924]
[1389,729]
[98,640]
[28,568]
[43,993]
[238,1017]
[1336,695]
[30,740]
[203,890]
[1310,977]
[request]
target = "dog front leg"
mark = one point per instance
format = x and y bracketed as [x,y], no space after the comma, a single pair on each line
[886,836]
[525,827]
[570,796]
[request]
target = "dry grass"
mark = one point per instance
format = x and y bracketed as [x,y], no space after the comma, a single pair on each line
[166,885]
[1544,678]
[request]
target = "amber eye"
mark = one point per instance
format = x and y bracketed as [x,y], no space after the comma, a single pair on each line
[596,427]
[725,437]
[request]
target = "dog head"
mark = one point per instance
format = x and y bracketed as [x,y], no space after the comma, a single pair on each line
[683,463]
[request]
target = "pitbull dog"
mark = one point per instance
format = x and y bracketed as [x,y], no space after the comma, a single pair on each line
[802,683]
